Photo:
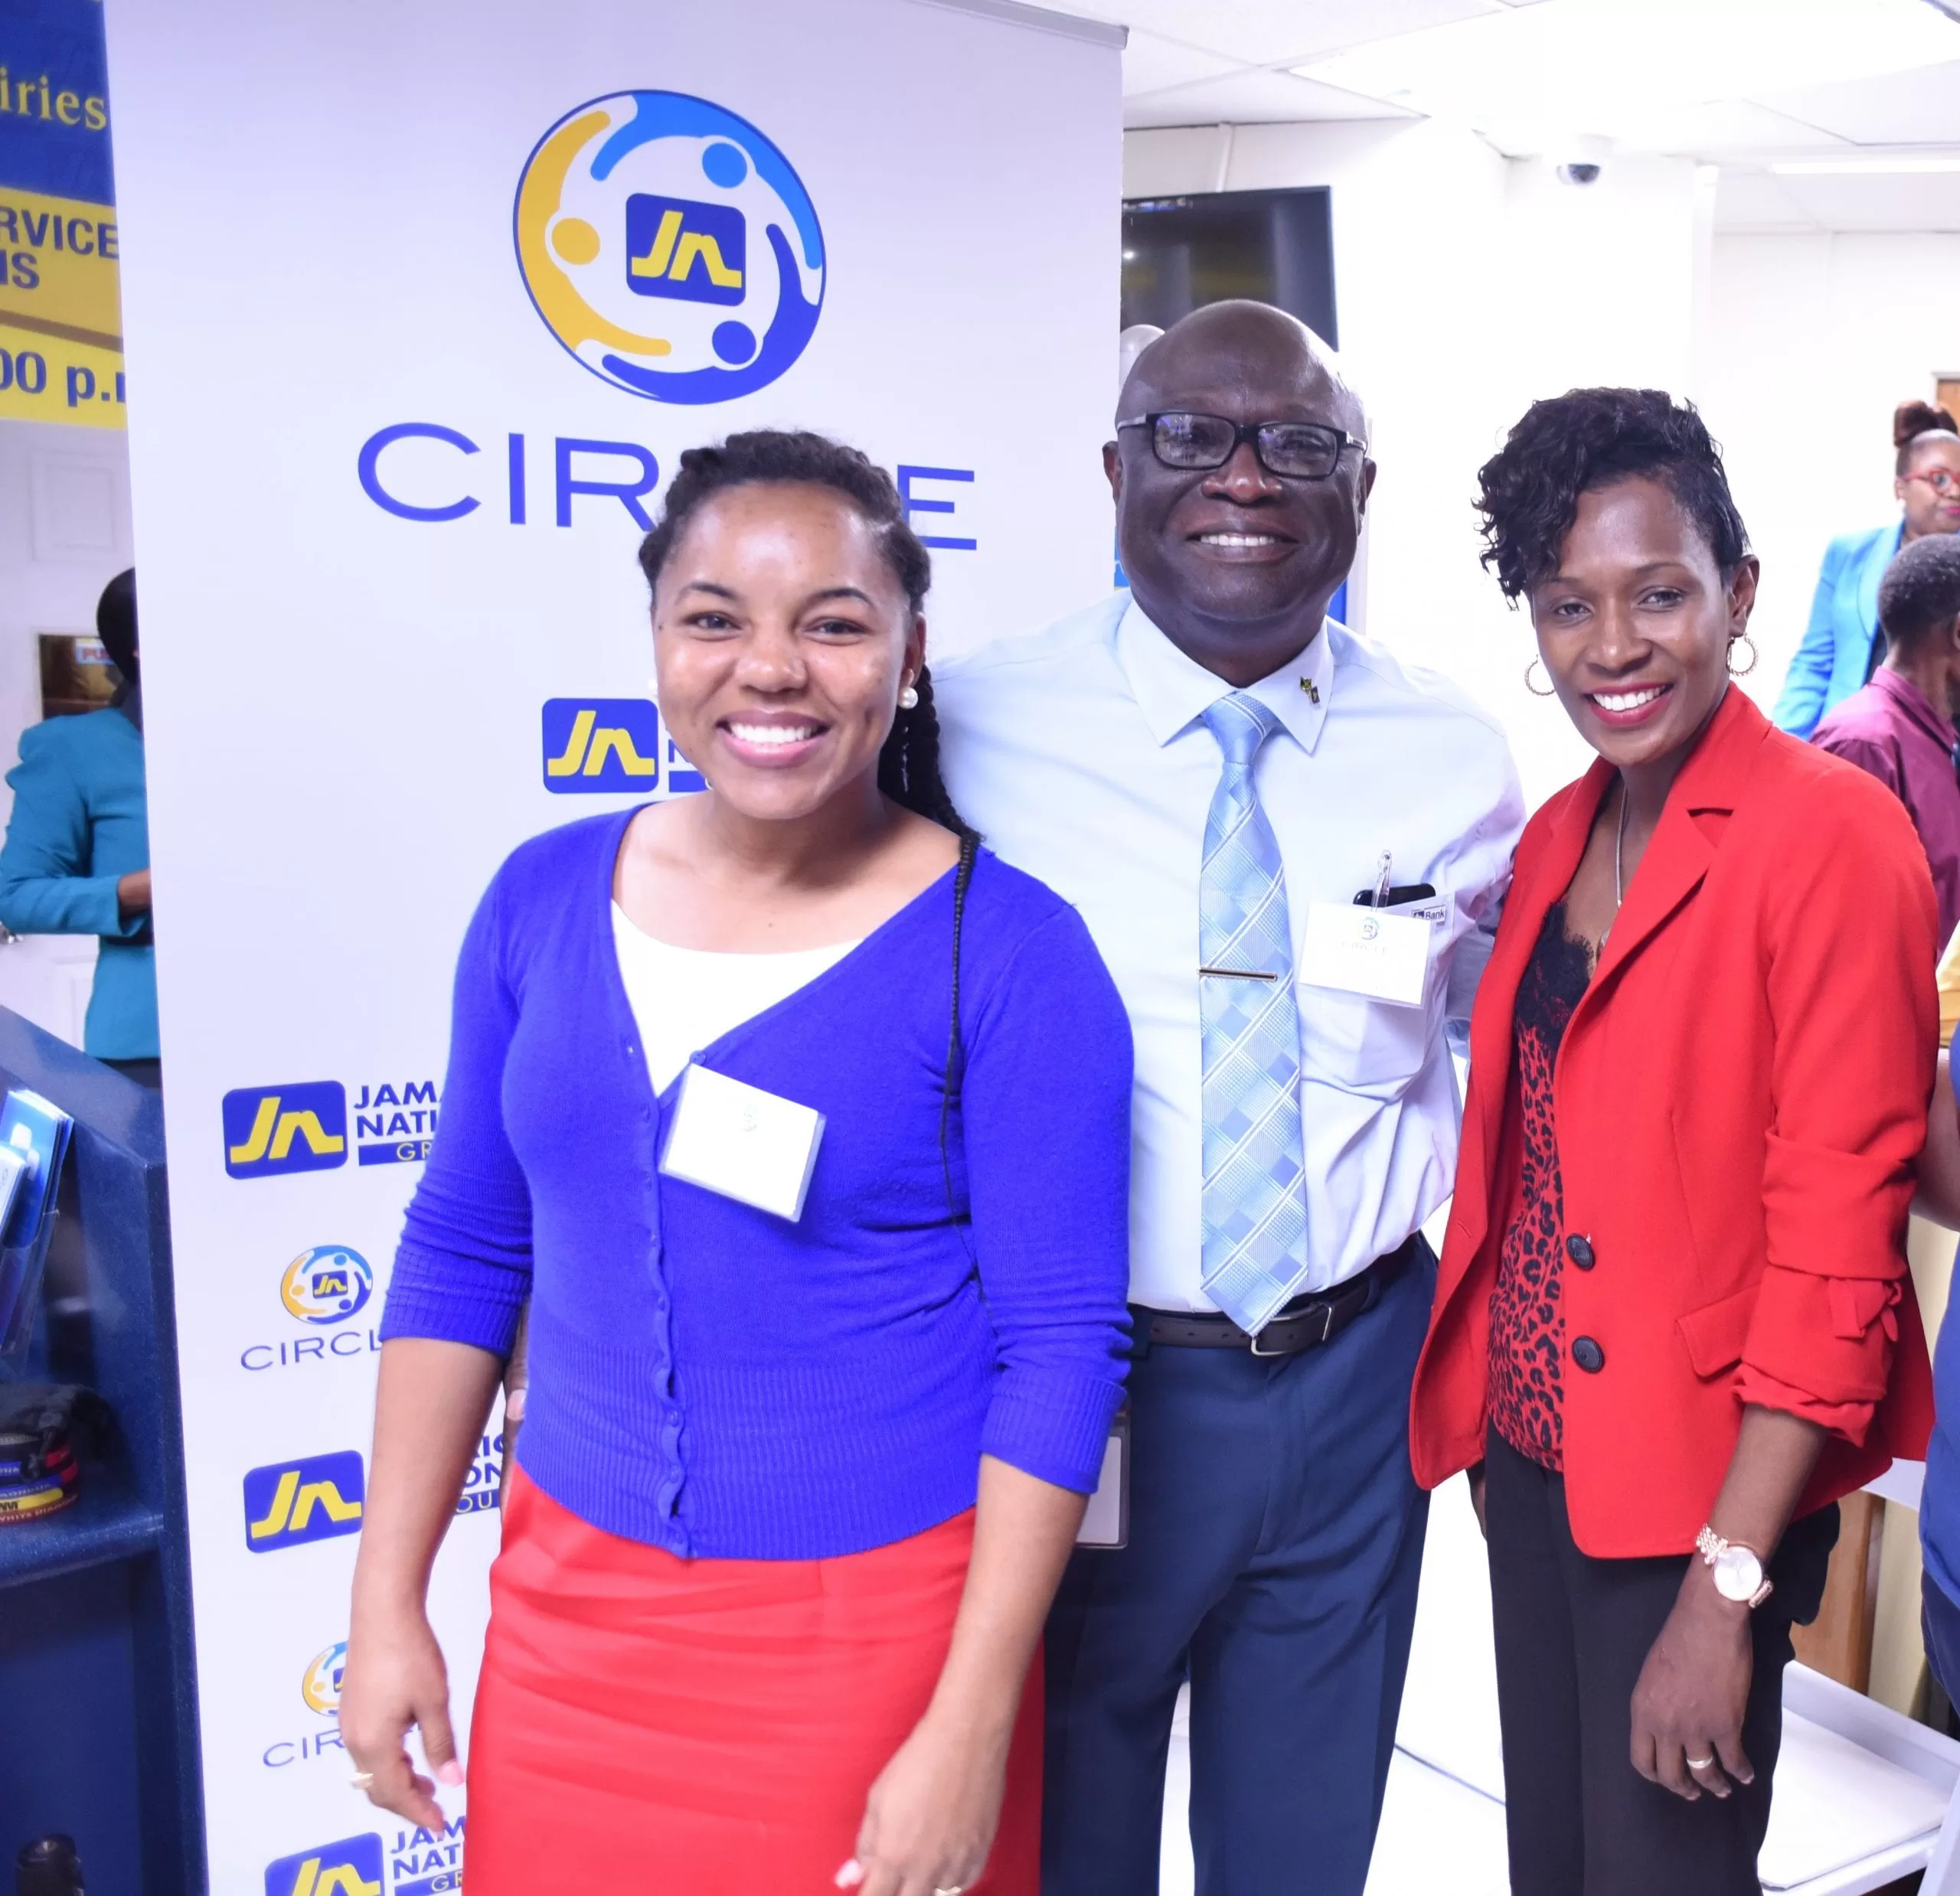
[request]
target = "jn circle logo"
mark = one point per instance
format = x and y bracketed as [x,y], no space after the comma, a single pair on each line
[327,1285]
[321,1686]
[669,247]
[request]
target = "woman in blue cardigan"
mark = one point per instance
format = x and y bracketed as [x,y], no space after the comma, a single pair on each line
[824,1238]
[1842,645]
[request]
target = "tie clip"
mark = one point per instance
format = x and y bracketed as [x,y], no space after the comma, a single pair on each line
[1239,973]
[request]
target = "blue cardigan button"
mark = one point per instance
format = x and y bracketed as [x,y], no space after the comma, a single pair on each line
[1588,1355]
[1579,1250]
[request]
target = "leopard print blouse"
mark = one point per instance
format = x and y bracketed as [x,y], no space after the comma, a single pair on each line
[1527,1316]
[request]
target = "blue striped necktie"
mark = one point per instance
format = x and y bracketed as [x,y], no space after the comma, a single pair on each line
[1255,1161]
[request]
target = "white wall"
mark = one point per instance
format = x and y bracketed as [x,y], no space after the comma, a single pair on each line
[64,532]
[1467,285]
[1813,339]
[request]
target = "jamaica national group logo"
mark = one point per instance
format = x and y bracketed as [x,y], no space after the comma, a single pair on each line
[669,246]
[416,1863]
[270,1130]
[287,1503]
[351,1867]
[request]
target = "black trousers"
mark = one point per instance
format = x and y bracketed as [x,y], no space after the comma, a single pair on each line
[1573,1634]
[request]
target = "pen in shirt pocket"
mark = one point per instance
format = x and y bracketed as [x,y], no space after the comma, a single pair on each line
[1387,895]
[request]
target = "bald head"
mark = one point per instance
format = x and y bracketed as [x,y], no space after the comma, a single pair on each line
[1237,564]
[1247,341]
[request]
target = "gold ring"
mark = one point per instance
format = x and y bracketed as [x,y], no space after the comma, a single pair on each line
[1701,1764]
[361,1779]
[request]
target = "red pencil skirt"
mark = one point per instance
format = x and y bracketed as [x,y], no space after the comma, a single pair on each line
[707,1728]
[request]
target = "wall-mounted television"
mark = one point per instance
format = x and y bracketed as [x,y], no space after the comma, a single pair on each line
[1179,253]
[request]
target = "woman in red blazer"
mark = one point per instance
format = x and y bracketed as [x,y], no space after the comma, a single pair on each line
[1673,1322]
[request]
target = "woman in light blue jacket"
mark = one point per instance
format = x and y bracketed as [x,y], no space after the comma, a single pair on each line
[1842,644]
[77,853]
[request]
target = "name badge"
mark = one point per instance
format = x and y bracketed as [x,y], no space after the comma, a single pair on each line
[731,1137]
[1106,1522]
[1364,952]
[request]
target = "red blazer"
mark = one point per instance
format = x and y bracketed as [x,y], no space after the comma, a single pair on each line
[1740,1096]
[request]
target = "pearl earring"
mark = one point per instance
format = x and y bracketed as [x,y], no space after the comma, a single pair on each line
[908,698]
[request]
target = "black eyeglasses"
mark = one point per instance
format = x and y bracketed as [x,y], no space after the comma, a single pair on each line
[1296,450]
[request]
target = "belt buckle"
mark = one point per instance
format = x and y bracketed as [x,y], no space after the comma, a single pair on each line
[1326,1330]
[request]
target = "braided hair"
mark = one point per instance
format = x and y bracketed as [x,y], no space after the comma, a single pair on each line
[909,764]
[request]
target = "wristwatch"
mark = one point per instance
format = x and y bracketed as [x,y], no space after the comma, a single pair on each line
[1737,1570]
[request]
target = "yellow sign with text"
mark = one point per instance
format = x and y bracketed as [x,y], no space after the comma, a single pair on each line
[61,311]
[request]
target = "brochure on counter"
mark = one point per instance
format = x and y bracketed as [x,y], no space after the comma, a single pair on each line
[33,1140]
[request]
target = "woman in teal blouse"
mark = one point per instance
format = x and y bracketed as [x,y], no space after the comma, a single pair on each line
[77,853]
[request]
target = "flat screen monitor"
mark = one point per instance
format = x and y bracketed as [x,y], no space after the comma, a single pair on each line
[1179,253]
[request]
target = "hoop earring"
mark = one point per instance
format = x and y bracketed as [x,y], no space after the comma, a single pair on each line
[908,698]
[1735,670]
[1550,691]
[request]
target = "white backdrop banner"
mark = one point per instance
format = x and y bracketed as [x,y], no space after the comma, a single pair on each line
[423,304]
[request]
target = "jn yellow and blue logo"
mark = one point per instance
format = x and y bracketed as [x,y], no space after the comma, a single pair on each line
[330,1284]
[661,195]
[320,1687]
[287,1503]
[270,1130]
[678,247]
[352,1867]
[593,744]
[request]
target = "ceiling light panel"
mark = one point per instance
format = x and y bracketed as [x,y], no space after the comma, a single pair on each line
[1921,107]
[1726,130]
[1604,66]
[1280,32]
[1895,164]
[1883,202]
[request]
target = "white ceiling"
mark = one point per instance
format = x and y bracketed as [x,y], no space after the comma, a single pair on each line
[1208,62]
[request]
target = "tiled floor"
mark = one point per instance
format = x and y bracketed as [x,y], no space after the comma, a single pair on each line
[1850,1815]
[1436,1834]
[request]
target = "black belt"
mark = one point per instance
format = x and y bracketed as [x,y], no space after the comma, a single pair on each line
[1305,1324]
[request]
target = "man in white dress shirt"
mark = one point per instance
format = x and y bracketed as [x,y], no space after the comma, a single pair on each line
[1291,851]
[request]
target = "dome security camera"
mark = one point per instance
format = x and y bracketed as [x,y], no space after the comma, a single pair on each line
[1579,159]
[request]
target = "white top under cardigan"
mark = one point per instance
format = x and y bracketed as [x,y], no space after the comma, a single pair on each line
[685,999]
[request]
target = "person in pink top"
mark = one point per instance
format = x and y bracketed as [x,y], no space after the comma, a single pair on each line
[1900,726]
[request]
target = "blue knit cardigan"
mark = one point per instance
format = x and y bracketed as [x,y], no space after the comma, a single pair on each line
[711,1379]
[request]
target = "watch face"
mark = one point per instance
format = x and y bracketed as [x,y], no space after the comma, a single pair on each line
[1738,1574]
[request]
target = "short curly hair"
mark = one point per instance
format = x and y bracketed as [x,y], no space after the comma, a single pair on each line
[1921,590]
[1591,438]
